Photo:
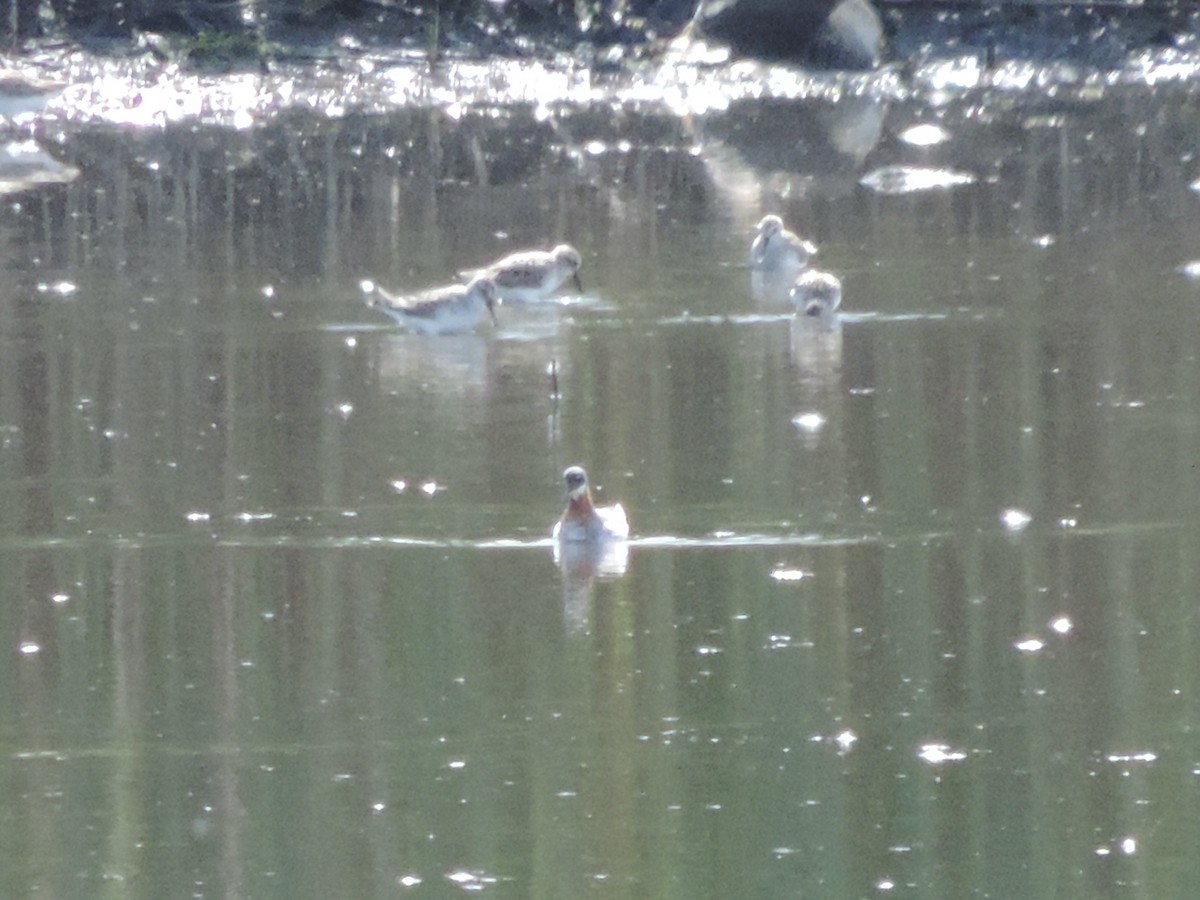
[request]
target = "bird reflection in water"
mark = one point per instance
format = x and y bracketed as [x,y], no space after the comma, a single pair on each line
[581,566]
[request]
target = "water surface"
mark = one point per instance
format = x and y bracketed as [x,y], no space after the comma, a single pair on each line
[909,606]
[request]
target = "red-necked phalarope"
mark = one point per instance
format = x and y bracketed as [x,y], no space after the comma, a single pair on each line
[816,293]
[456,307]
[21,94]
[775,247]
[581,520]
[533,275]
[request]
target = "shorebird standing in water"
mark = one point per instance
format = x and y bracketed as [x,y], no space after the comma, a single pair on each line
[582,520]
[776,248]
[532,275]
[817,294]
[445,310]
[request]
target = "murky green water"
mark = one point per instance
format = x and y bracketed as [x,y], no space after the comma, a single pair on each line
[911,604]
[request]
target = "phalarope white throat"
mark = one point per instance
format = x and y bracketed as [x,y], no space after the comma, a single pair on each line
[775,247]
[533,275]
[583,521]
[444,310]
[21,94]
[817,294]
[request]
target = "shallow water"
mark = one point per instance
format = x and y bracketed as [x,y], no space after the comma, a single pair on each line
[910,602]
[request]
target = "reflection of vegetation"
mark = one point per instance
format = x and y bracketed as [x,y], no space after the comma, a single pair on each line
[224,25]
[223,49]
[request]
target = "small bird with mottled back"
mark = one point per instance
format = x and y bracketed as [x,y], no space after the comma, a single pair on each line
[776,248]
[444,310]
[582,520]
[816,294]
[532,275]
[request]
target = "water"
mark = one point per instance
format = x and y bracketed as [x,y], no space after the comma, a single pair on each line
[909,607]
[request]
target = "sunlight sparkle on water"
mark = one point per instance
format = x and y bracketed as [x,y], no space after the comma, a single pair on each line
[1143,756]
[1126,846]
[468,880]
[61,288]
[1029,645]
[936,754]
[924,135]
[787,574]
[1015,519]
[912,179]
[1061,625]
[248,516]
[810,422]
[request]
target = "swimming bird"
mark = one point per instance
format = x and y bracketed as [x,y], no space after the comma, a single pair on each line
[444,310]
[25,94]
[817,294]
[532,275]
[583,521]
[775,247]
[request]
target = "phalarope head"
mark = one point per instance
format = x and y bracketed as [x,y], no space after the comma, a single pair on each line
[576,481]
[575,478]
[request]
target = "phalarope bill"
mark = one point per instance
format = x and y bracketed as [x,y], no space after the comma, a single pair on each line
[21,94]
[444,310]
[532,275]
[816,294]
[582,520]
[775,247]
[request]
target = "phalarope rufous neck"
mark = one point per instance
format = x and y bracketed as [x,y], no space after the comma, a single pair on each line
[584,521]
